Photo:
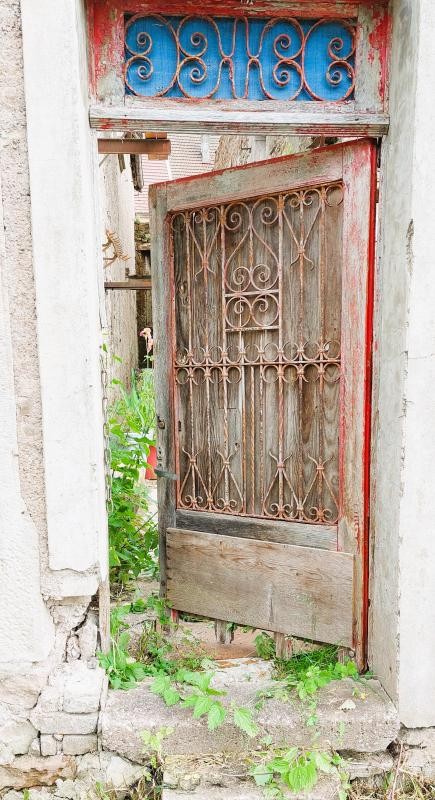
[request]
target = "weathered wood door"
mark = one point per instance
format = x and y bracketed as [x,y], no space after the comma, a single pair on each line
[262,295]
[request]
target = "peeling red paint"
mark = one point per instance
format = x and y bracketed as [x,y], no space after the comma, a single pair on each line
[379,40]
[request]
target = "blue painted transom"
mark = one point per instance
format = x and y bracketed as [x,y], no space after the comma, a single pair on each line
[243,58]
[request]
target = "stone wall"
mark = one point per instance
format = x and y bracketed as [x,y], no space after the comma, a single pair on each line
[53,527]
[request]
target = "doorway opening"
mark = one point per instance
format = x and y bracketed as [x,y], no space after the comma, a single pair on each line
[257,404]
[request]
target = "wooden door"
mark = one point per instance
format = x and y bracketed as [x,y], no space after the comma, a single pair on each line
[262,293]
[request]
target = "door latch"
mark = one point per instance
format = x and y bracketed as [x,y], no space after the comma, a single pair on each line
[163,473]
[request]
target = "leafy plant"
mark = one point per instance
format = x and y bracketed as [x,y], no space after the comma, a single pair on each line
[123,671]
[305,674]
[133,536]
[194,690]
[265,646]
[297,771]
[137,406]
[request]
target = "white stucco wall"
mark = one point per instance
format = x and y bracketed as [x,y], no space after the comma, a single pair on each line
[67,256]
[417,528]
[117,215]
[403,527]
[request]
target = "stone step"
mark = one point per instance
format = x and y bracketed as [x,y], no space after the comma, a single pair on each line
[326,789]
[363,721]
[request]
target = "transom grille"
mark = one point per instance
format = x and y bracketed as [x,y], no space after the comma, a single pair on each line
[257,355]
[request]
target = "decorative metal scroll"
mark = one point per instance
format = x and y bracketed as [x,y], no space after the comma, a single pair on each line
[257,361]
[243,58]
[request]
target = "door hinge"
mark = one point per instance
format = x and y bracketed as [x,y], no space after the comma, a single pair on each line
[163,473]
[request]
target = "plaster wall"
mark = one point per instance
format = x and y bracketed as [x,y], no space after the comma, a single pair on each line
[390,357]
[417,524]
[403,529]
[24,636]
[67,257]
[117,206]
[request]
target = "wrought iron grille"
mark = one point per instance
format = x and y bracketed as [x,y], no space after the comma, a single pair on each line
[257,355]
[244,58]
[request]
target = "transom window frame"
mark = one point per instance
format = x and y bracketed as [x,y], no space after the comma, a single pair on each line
[113,108]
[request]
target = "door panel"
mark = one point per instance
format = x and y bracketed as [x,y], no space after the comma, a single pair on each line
[262,374]
[322,536]
[276,587]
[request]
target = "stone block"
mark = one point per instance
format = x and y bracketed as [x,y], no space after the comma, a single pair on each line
[369,726]
[51,698]
[16,733]
[22,690]
[49,745]
[87,636]
[27,771]
[364,766]
[82,688]
[62,722]
[326,789]
[79,745]
[108,769]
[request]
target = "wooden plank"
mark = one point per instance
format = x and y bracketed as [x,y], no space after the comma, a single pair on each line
[162,293]
[277,174]
[218,119]
[104,615]
[159,149]
[299,591]
[359,176]
[296,533]
[133,283]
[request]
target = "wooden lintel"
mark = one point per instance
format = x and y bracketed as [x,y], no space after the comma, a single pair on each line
[200,119]
[155,149]
[133,283]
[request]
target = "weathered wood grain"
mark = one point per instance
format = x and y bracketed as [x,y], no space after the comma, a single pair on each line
[163,343]
[283,588]
[359,174]
[322,536]
[199,118]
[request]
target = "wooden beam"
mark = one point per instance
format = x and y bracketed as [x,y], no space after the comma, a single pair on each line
[299,591]
[155,149]
[132,283]
[206,119]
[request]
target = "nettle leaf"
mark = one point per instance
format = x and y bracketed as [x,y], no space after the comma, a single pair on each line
[160,684]
[323,762]
[302,776]
[262,774]
[171,696]
[202,706]
[243,720]
[190,701]
[216,716]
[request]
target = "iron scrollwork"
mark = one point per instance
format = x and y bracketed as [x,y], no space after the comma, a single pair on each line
[243,58]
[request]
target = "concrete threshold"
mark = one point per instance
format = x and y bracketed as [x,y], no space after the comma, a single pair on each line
[357,717]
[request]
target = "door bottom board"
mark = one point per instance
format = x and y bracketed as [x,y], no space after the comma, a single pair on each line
[300,591]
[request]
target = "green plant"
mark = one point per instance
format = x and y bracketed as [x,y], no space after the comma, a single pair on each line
[305,674]
[265,646]
[133,535]
[137,406]
[193,690]
[123,671]
[297,770]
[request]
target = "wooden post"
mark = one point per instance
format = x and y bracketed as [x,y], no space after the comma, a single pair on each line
[344,655]
[283,646]
[104,615]
[223,633]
